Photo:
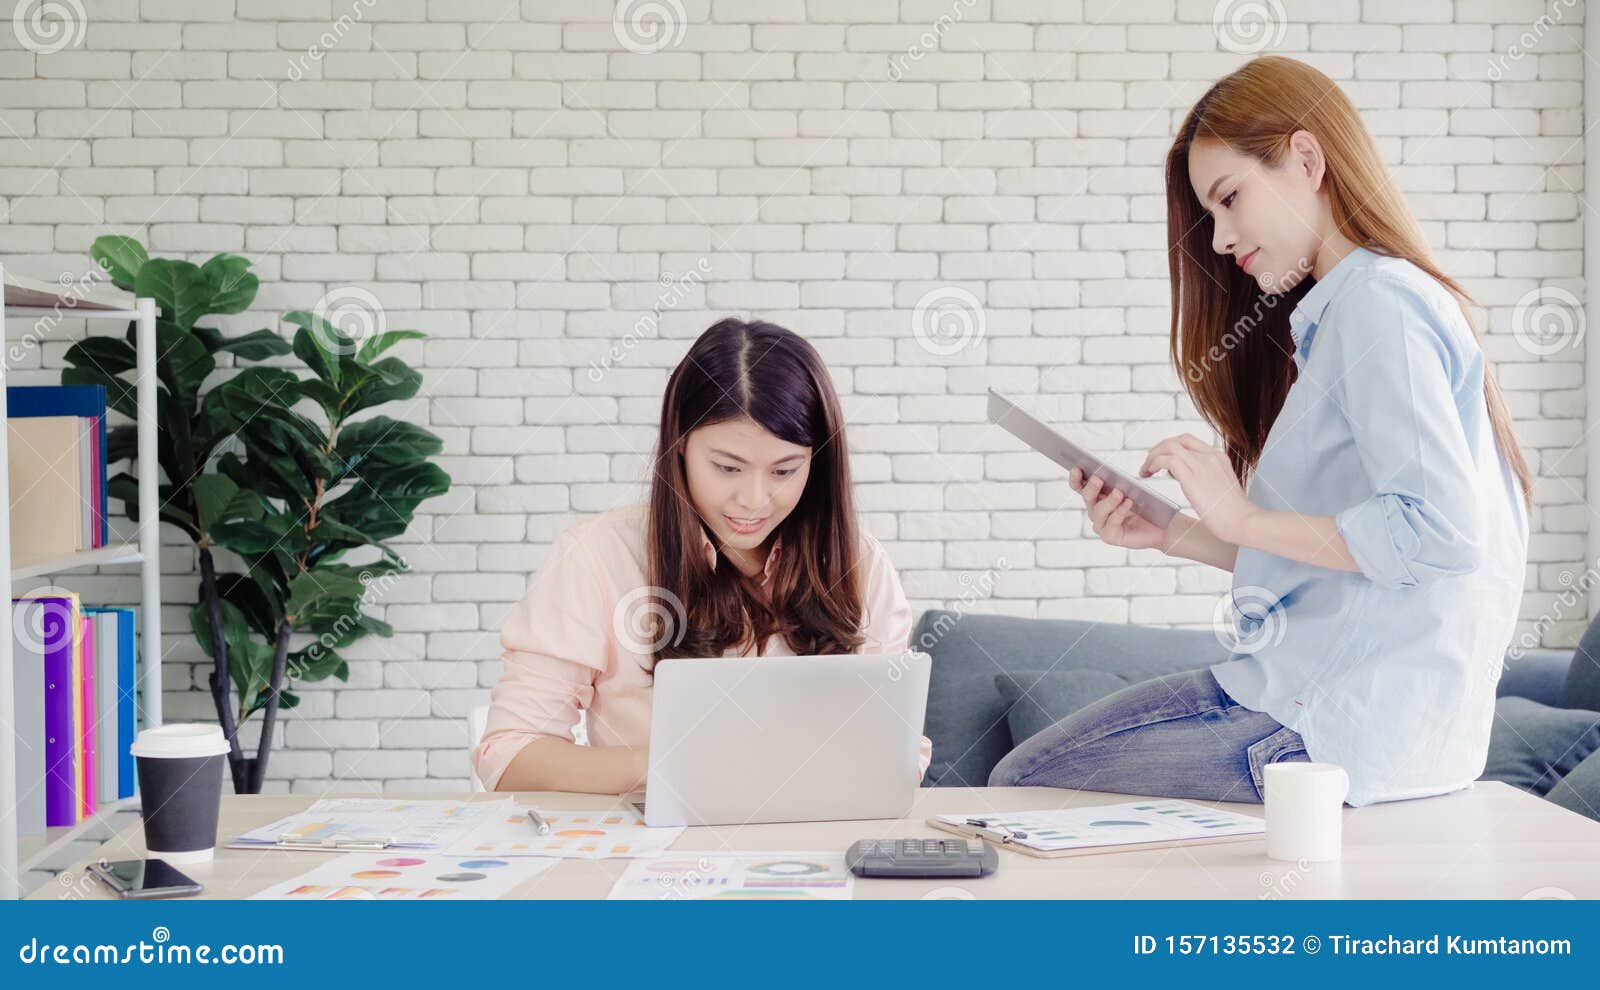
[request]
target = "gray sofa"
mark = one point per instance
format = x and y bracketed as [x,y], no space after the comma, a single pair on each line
[997,679]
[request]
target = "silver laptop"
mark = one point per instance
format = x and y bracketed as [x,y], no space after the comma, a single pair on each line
[742,740]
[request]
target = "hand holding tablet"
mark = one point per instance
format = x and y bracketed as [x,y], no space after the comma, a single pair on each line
[1132,515]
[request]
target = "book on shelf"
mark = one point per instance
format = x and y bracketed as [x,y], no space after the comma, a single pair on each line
[68,292]
[74,678]
[57,459]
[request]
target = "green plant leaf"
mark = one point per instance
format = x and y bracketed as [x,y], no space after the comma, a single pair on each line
[232,284]
[119,392]
[384,440]
[254,596]
[178,287]
[257,345]
[218,498]
[373,346]
[122,443]
[107,355]
[248,537]
[120,257]
[324,395]
[183,363]
[317,663]
[125,487]
[234,403]
[314,344]
[390,380]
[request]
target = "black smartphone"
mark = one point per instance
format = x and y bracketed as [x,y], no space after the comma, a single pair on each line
[144,878]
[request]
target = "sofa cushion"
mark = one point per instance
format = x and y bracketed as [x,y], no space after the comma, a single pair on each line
[966,718]
[1540,749]
[1035,702]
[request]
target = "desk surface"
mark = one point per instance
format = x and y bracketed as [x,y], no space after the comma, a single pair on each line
[1489,841]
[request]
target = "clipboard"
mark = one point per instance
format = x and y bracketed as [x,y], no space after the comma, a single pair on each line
[1001,840]
[1149,823]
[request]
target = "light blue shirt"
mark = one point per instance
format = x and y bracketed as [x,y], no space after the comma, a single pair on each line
[1389,672]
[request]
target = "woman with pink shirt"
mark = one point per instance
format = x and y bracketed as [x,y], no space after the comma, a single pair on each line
[748,547]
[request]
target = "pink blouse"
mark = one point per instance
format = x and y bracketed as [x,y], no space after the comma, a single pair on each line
[574,640]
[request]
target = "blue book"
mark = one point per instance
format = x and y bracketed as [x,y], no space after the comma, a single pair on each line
[127,688]
[24,401]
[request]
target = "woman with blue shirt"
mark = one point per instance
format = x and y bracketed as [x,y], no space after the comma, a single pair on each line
[1369,495]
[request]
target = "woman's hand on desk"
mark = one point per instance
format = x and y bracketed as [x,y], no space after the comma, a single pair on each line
[1206,476]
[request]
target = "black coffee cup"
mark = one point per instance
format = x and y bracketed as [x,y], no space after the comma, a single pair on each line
[180,789]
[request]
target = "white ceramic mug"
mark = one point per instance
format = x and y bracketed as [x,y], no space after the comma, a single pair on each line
[1305,810]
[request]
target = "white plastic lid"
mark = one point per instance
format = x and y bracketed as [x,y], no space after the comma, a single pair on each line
[180,740]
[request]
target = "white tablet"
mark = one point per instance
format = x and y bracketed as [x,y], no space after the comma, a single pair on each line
[1148,502]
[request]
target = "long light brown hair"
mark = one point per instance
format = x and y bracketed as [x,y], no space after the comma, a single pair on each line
[773,377]
[1230,338]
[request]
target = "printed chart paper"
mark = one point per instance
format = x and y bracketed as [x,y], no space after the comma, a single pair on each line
[736,876]
[400,876]
[406,824]
[573,835]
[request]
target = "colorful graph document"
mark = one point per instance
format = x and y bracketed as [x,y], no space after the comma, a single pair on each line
[736,876]
[376,823]
[573,835]
[1155,820]
[403,877]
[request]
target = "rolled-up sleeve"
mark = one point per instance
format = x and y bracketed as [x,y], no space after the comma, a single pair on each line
[1397,383]
[887,625]
[555,642]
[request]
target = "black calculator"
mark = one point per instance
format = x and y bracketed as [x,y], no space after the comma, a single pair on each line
[939,858]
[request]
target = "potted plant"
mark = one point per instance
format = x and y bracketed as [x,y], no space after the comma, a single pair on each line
[291,473]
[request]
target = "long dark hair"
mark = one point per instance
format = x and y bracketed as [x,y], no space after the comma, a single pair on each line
[773,377]
[1231,340]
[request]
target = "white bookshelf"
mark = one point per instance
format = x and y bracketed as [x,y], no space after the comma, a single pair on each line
[15,856]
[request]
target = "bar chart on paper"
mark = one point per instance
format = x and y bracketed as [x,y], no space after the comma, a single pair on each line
[600,834]
[737,876]
[392,877]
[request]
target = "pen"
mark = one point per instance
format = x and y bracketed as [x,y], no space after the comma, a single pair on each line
[539,824]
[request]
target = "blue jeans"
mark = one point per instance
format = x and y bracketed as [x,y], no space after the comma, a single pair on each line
[1177,736]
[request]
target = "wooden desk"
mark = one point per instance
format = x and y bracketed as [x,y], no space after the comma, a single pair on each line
[1490,841]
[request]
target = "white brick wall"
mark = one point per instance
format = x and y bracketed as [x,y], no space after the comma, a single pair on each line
[514,180]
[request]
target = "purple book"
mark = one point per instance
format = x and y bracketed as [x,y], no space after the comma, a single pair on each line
[46,626]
